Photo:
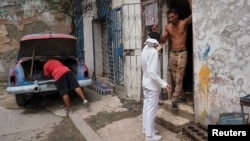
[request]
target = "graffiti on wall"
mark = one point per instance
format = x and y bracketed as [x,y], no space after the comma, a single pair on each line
[204,77]
[228,59]
[221,82]
[217,83]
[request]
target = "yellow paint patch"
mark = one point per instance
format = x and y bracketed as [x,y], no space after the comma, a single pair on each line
[204,77]
[203,117]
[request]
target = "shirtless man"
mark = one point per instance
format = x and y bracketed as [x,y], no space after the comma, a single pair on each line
[176,30]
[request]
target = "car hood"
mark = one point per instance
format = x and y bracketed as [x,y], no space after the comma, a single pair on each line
[50,44]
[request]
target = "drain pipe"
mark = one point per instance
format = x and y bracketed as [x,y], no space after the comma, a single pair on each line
[93,36]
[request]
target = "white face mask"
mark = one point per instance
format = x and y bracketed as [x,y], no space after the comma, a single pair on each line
[151,42]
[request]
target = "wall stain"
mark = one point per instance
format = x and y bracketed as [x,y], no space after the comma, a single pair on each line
[203,55]
[218,80]
[22,17]
[31,28]
[204,79]
[204,76]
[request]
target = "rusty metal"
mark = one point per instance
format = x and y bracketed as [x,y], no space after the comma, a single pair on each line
[194,132]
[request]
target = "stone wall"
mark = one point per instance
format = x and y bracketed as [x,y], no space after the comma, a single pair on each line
[221,57]
[22,17]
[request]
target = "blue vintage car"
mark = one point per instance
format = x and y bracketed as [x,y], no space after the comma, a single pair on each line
[26,76]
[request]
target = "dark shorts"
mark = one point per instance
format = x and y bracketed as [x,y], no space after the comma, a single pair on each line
[66,83]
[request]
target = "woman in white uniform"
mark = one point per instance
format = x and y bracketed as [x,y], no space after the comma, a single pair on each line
[152,84]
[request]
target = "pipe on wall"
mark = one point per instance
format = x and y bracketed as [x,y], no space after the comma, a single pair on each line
[94,57]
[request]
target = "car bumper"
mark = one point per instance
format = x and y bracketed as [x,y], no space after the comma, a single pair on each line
[42,86]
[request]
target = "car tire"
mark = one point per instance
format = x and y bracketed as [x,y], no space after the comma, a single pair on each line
[20,99]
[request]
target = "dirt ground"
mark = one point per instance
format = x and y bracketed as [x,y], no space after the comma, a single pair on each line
[103,118]
[66,131]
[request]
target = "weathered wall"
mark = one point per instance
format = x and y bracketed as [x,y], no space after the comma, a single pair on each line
[92,57]
[92,41]
[117,3]
[132,40]
[165,46]
[221,57]
[21,17]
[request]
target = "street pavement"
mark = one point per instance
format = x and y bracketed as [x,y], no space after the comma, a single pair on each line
[17,126]
[128,129]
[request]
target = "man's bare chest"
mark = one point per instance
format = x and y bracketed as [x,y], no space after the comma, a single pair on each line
[177,31]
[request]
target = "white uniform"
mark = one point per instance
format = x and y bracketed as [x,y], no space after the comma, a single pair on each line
[152,84]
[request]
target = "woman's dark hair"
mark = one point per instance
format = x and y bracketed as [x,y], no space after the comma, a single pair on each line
[154,35]
[172,10]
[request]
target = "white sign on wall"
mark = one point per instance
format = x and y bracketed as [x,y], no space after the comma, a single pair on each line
[151,14]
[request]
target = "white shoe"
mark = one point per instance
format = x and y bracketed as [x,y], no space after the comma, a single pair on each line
[153,138]
[68,112]
[85,103]
[156,132]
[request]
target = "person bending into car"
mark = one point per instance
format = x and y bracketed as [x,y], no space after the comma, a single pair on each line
[65,82]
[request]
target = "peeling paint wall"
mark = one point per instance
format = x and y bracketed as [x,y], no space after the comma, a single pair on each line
[93,41]
[221,57]
[93,51]
[21,17]
[132,40]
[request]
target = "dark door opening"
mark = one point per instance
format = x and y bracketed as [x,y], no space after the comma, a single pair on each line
[183,9]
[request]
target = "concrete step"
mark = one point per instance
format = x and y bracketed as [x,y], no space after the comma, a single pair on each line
[170,121]
[174,119]
[185,110]
[101,88]
[119,90]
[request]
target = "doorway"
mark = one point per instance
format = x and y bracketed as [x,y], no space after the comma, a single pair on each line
[183,9]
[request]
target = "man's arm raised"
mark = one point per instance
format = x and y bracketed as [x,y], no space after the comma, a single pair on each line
[164,37]
[189,18]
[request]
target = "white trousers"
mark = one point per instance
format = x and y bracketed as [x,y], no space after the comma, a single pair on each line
[150,107]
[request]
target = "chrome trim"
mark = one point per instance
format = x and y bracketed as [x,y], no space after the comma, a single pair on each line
[42,86]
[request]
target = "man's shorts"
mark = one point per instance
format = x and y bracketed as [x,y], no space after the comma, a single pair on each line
[66,83]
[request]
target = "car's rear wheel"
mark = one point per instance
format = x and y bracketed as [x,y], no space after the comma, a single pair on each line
[20,99]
